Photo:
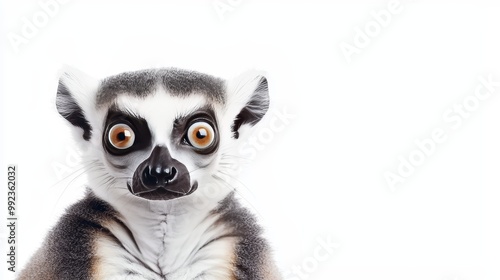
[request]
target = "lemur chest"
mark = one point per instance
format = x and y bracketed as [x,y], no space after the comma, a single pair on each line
[163,251]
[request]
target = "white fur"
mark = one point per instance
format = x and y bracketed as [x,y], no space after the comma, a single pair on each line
[169,246]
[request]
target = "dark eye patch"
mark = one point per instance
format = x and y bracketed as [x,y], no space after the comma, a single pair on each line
[182,124]
[137,124]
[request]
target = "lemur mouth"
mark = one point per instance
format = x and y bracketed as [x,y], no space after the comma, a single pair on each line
[161,193]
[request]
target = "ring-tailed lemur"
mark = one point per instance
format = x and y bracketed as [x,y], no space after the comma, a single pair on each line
[160,203]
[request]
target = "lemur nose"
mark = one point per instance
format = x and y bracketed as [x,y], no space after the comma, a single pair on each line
[154,177]
[161,175]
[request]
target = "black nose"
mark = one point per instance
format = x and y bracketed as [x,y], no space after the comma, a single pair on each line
[155,177]
[161,177]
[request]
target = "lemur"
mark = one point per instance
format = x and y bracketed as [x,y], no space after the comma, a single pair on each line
[161,200]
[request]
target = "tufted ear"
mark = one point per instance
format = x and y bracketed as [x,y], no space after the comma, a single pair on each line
[76,99]
[250,95]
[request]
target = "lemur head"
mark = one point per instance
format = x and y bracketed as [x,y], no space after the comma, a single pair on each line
[159,134]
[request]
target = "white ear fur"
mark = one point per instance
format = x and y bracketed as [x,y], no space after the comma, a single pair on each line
[75,101]
[248,100]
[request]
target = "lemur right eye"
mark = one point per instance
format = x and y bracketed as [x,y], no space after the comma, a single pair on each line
[121,136]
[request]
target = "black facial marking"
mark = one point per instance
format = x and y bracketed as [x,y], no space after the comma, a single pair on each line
[138,125]
[254,110]
[178,82]
[71,111]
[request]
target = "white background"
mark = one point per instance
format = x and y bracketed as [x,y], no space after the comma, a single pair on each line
[321,176]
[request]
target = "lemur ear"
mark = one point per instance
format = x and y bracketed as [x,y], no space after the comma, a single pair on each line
[250,93]
[75,99]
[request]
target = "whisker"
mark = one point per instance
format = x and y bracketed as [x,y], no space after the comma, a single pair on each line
[65,189]
[89,165]
[237,180]
[235,156]
[239,194]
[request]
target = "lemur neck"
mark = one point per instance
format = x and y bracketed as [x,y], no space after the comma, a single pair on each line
[150,229]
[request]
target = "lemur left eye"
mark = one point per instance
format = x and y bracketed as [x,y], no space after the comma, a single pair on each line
[200,135]
[121,136]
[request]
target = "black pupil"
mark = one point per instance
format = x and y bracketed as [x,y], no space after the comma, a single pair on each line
[201,133]
[121,136]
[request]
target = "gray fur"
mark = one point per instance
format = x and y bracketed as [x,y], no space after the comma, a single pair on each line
[252,250]
[68,249]
[176,81]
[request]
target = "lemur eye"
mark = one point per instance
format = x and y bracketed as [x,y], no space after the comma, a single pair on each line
[200,135]
[121,136]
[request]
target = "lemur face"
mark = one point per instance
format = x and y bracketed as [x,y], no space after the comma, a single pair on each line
[160,134]
[164,139]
